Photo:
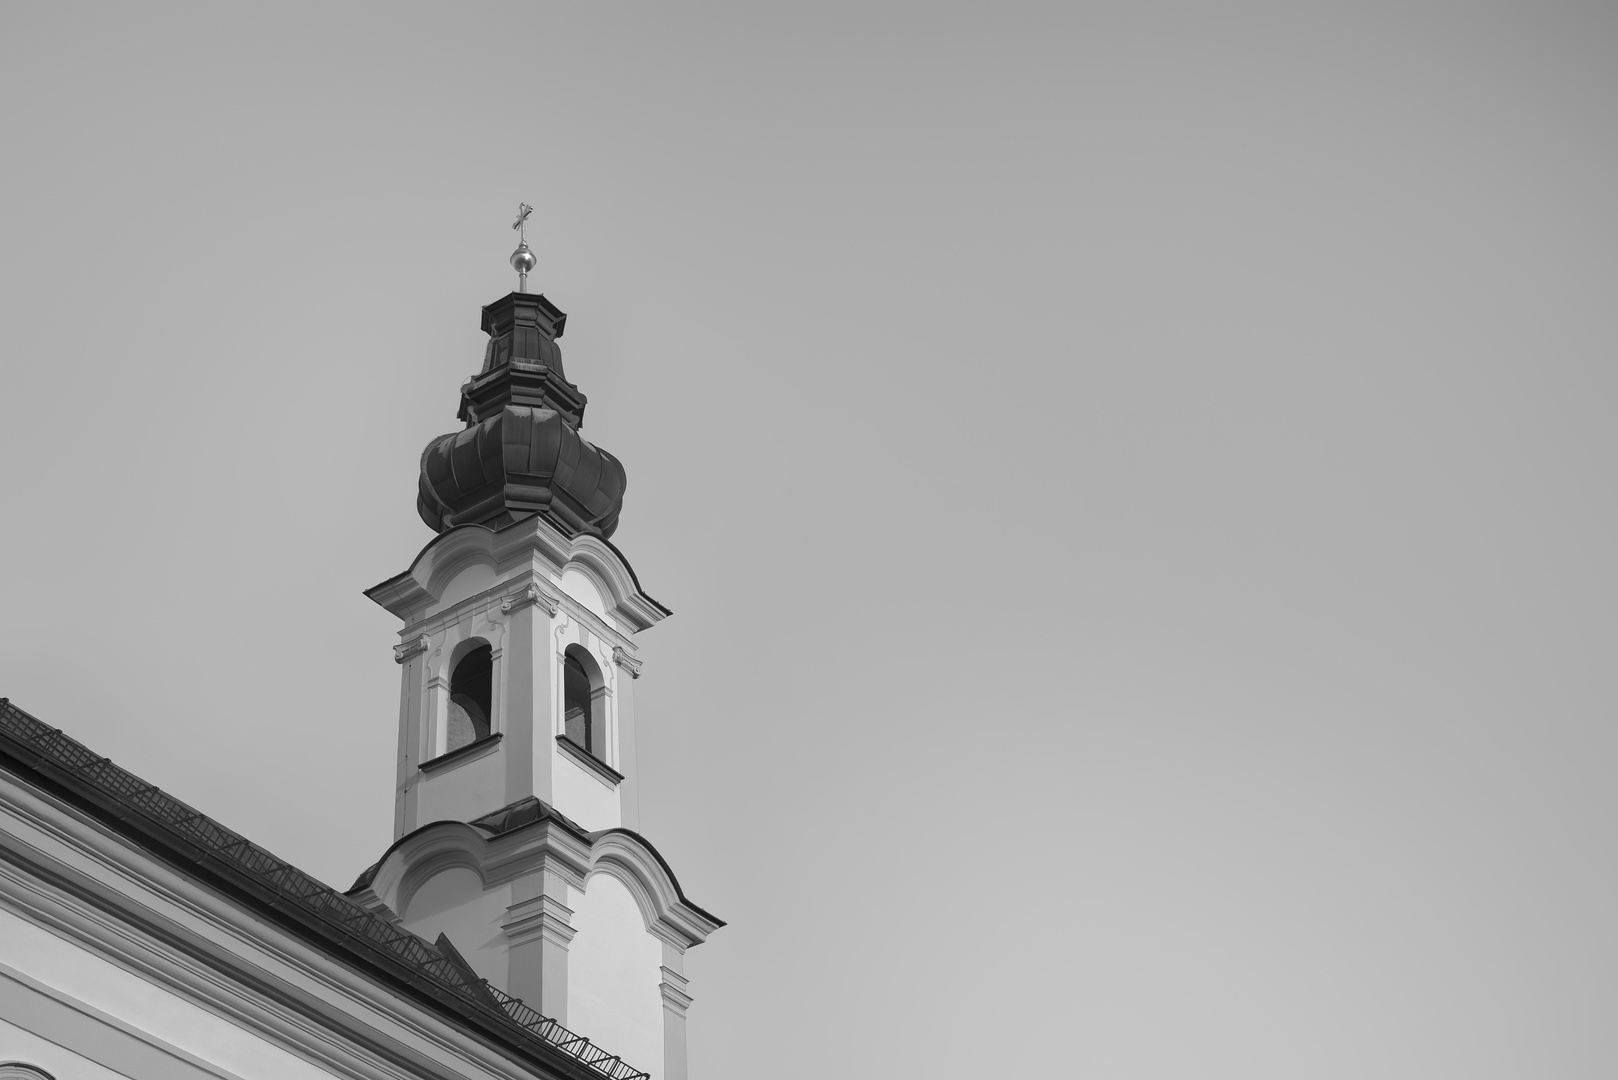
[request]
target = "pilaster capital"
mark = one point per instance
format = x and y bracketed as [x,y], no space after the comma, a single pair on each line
[542,918]
[673,985]
[404,651]
[621,657]
[533,594]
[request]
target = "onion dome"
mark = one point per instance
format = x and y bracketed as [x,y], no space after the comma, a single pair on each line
[521,452]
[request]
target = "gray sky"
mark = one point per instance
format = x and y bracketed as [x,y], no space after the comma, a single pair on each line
[1135,483]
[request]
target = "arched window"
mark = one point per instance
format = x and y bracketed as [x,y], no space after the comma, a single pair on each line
[470,688]
[579,708]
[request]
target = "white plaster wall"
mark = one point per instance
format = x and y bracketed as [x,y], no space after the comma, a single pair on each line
[577,584]
[613,971]
[61,1062]
[166,1017]
[469,582]
[463,791]
[581,796]
[452,902]
[578,793]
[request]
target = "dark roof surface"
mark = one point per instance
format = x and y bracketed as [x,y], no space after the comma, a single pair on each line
[525,811]
[203,849]
[515,461]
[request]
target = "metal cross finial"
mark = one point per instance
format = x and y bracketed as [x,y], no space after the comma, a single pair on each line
[522,260]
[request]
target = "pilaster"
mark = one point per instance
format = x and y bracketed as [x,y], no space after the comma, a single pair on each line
[527,691]
[539,930]
[675,1003]
[411,657]
[628,764]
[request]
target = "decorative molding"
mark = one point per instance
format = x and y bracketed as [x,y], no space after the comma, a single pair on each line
[465,612]
[471,751]
[96,891]
[403,652]
[540,918]
[545,846]
[589,620]
[564,626]
[531,595]
[490,600]
[625,600]
[368,900]
[631,664]
[589,762]
[410,594]
[17,1070]
[675,999]
[551,847]
[669,916]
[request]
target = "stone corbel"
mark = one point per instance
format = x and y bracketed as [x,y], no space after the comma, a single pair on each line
[403,652]
[629,663]
[530,595]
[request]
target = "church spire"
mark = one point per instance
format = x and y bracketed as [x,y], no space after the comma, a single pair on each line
[521,452]
[516,810]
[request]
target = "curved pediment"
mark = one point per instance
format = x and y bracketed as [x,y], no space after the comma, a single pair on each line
[522,547]
[529,837]
[632,859]
[421,856]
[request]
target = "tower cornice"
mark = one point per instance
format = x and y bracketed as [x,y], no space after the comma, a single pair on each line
[412,594]
[529,837]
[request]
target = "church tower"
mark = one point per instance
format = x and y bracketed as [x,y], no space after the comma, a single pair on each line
[516,815]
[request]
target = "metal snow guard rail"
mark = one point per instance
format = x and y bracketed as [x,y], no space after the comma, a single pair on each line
[162,816]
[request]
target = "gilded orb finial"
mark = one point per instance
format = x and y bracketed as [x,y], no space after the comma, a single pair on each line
[522,260]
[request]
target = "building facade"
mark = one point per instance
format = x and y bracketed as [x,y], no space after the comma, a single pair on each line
[518,926]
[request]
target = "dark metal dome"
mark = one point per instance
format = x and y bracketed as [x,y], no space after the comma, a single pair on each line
[521,452]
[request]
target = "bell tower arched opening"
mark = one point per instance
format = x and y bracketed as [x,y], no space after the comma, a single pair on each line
[584,710]
[471,687]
